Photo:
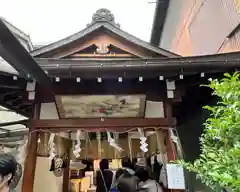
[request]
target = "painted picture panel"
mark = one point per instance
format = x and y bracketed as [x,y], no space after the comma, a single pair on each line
[96,106]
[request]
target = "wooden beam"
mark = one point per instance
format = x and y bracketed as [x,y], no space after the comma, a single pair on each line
[6,86]
[20,122]
[150,87]
[171,152]
[92,55]
[31,159]
[14,108]
[167,109]
[101,123]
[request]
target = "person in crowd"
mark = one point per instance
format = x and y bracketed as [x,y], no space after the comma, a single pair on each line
[141,162]
[134,162]
[147,184]
[104,177]
[127,165]
[87,165]
[125,181]
[8,168]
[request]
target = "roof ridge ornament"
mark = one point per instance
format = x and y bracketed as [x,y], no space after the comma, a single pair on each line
[104,14]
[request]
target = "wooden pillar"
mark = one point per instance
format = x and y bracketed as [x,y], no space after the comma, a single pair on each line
[66,171]
[171,153]
[168,109]
[30,161]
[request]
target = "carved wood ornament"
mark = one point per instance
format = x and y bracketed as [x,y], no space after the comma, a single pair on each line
[102,49]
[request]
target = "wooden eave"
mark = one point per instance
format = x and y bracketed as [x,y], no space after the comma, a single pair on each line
[12,51]
[135,67]
[25,37]
[95,26]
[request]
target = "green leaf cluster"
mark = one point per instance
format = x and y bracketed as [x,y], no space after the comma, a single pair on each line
[219,163]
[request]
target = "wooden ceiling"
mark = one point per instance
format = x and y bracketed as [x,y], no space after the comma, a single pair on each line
[13,95]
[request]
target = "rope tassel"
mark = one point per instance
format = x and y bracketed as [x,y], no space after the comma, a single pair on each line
[143,140]
[78,149]
[51,147]
[112,142]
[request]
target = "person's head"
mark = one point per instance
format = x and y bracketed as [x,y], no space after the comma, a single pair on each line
[104,164]
[142,174]
[158,151]
[119,173]
[126,162]
[8,167]
[141,162]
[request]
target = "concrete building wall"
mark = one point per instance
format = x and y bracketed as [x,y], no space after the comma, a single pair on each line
[198,27]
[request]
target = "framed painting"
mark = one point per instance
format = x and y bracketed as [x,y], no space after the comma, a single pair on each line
[97,106]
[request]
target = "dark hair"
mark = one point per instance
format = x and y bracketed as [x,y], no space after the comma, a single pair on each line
[119,172]
[126,162]
[8,165]
[142,174]
[104,164]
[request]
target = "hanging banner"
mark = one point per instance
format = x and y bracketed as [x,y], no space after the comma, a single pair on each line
[175,176]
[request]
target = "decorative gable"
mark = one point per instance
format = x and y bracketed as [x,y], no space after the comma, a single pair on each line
[103,33]
[101,51]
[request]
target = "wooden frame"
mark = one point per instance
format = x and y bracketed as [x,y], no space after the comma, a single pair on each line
[62,112]
[57,125]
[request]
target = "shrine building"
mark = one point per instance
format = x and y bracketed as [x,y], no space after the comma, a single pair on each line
[98,94]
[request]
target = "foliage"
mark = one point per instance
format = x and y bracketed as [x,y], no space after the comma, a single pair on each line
[219,163]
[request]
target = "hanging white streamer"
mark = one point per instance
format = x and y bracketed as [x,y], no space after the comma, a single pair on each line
[173,136]
[112,142]
[22,151]
[51,146]
[143,140]
[77,147]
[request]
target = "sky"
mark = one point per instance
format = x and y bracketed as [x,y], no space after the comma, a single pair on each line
[51,20]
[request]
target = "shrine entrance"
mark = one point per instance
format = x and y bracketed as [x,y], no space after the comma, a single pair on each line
[100,93]
[90,114]
[93,139]
[83,155]
[99,114]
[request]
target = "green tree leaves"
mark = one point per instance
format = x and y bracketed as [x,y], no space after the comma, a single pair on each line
[219,162]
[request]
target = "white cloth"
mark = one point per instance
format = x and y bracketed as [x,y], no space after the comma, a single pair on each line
[161,159]
[151,186]
[163,176]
